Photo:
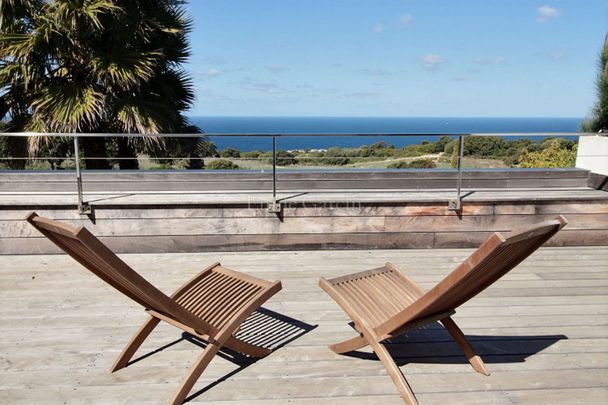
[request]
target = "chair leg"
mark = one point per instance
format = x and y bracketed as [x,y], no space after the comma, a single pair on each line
[134,343]
[195,372]
[395,373]
[349,345]
[464,344]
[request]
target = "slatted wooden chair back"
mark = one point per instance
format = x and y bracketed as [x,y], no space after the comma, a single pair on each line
[492,260]
[89,251]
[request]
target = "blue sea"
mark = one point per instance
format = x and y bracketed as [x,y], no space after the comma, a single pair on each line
[366,125]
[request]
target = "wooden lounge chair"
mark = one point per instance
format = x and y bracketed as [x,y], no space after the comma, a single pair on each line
[211,306]
[384,303]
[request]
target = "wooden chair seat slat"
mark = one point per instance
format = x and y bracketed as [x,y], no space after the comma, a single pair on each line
[210,311]
[237,305]
[228,306]
[220,300]
[375,296]
[192,293]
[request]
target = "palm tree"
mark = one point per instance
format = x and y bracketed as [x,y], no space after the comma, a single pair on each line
[96,66]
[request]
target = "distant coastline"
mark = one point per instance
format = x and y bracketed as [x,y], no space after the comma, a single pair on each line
[354,125]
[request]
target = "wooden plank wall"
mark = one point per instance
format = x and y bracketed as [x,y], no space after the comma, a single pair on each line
[155,225]
[140,229]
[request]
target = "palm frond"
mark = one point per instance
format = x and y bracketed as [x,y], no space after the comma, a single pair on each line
[125,69]
[68,107]
[19,46]
[141,116]
[73,14]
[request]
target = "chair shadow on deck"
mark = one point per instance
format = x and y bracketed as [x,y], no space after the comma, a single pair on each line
[265,328]
[432,344]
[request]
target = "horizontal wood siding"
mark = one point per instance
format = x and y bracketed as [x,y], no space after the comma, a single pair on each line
[138,229]
[193,211]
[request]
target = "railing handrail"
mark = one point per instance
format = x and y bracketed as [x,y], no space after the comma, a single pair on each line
[274,206]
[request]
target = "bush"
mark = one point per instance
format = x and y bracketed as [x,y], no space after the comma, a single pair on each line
[334,161]
[222,164]
[254,154]
[414,164]
[398,165]
[440,145]
[230,153]
[483,147]
[449,147]
[422,164]
[284,158]
[557,154]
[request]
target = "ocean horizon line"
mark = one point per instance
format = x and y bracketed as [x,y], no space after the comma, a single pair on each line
[363,125]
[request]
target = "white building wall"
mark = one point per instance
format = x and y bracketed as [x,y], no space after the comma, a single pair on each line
[593,153]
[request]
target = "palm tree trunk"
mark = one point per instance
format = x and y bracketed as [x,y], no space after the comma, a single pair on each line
[125,150]
[95,147]
[16,148]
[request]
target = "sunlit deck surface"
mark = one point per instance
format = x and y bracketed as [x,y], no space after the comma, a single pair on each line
[213,197]
[542,330]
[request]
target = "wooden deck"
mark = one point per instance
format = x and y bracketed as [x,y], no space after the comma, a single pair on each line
[542,330]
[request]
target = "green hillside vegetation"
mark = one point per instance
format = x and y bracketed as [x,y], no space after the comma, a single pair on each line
[438,153]
[478,152]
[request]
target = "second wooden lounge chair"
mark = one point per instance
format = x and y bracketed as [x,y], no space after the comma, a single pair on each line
[210,306]
[384,303]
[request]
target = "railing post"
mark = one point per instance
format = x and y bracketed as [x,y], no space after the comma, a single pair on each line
[83,207]
[456,204]
[274,206]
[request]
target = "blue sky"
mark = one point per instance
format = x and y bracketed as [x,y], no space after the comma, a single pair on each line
[467,58]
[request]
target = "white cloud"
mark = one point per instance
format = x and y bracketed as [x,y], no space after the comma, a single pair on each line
[375,72]
[206,74]
[431,61]
[496,60]
[277,69]
[403,21]
[547,13]
[213,60]
[406,19]
[359,94]
[379,27]
[557,55]
[262,87]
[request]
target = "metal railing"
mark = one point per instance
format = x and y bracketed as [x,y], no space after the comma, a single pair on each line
[274,206]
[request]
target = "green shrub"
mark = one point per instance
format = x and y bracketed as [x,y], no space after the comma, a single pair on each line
[414,164]
[402,164]
[230,153]
[254,154]
[334,161]
[284,158]
[222,164]
[422,164]
[557,154]
[484,146]
[448,149]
